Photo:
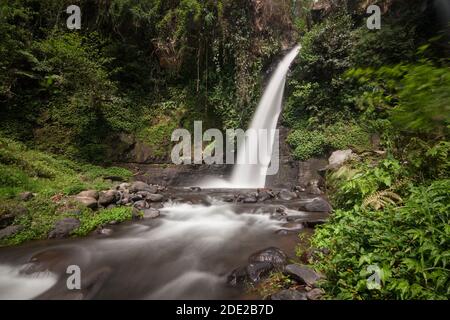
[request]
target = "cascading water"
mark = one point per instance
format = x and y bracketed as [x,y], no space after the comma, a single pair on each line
[265,118]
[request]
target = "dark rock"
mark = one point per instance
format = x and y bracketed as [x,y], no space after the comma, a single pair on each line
[237,277]
[314,294]
[299,189]
[136,197]
[89,194]
[196,189]
[64,227]
[154,197]
[318,205]
[151,213]
[281,210]
[107,197]
[289,294]
[25,196]
[9,231]
[273,255]
[313,224]
[258,270]
[303,274]
[287,195]
[313,188]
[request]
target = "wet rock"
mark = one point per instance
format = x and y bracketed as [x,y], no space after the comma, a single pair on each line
[137,197]
[258,270]
[314,223]
[338,158]
[142,186]
[237,277]
[265,194]
[9,231]
[64,227]
[88,202]
[315,294]
[136,213]
[299,189]
[287,195]
[154,197]
[313,188]
[142,204]
[318,205]
[250,200]
[196,189]
[303,274]
[273,255]
[25,196]
[151,213]
[281,210]
[124,186]
[89,194]
[289,294]
[107,197]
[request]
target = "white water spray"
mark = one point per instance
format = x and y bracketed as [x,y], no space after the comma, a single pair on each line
[265,118]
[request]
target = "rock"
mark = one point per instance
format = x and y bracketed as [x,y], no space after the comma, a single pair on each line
[107,197]
[258,270]
[228,198]
[196,189]
[89,194]
[136,213]
[289,294]
[273,255]
[151,213]
[286,195]
[314,223]
[237,277]
[318,205]
[9,231]
[87,201]
[8,214]
[64,227]
[314,294]
[154,197]
[338,158]
[265,194]
[299,189]
[313,188]
[136,197]
[250,200]
[142,204]
[25,196]
[302,274]
[111,206]
[142,186]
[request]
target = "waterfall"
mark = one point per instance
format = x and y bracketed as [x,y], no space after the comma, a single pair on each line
[266,117]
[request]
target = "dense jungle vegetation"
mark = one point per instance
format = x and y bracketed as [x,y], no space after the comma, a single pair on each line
[140,69]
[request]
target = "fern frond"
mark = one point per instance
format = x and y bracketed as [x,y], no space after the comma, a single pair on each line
[381,199]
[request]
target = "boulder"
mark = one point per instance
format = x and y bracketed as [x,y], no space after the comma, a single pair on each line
[196,189]
[87,201]
[289,294]
[286,195]
[265,194]
[273,255]
[313,188]
[151,213]
[9,231]
[258,270]
[25,196]
[124,186]
[318,205]
[302,274]
[107,197]
[155,197]
[142,186]
[338,158]
[237,277]
[64,227]
[89,194]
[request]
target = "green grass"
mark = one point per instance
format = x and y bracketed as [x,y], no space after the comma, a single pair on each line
[23,169]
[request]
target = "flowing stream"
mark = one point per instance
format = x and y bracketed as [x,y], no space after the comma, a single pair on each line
[186,253]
